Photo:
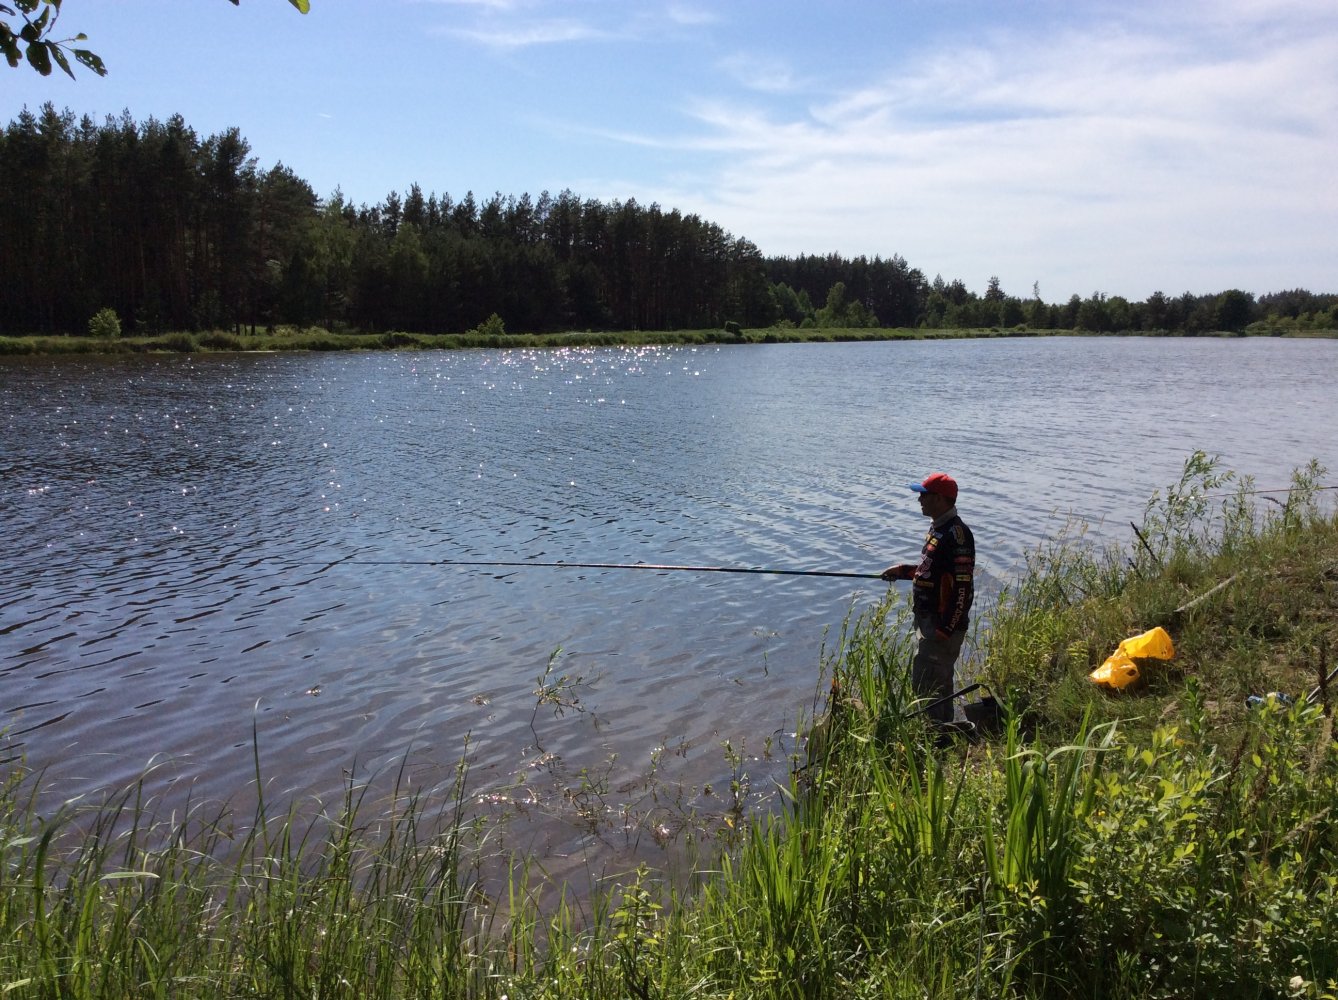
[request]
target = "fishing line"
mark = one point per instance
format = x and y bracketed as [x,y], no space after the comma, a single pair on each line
[1255,493]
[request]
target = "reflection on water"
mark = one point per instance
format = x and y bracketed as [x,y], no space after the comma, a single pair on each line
[202,547]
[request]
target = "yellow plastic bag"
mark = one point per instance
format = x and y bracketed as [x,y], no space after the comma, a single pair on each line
[1154,644]
[1120,670]
[1117,673]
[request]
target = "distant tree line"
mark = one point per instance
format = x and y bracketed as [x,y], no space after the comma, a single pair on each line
[172,231]
[175,232]
[861,292]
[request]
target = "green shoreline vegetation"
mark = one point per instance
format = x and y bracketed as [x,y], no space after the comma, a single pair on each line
[318,339]
[1168,841]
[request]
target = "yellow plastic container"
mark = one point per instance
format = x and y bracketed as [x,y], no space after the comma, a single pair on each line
[1154,644]
[1120,670]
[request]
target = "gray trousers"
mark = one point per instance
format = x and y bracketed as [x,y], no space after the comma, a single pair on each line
[931,670]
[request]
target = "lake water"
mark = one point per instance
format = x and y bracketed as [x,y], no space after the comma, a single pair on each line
[199,550]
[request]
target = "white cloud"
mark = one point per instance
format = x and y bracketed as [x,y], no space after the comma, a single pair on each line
[767,75]
[526,34]
[691,15]
[1078,158]
[515,24]
[495,5]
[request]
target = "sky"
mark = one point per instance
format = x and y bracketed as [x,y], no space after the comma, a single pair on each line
[1067,146]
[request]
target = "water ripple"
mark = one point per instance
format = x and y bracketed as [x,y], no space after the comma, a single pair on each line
[187,538]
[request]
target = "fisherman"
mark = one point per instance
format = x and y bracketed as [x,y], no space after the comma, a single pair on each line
[942,588]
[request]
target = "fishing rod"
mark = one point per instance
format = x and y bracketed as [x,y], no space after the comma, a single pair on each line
[583,565]
[1256,493]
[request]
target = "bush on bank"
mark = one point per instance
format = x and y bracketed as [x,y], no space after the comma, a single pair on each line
[490,336]
[1163,843]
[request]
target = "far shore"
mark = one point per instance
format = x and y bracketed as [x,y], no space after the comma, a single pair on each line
[319,339]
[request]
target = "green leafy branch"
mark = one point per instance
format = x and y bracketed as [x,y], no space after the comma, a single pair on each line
[32,39]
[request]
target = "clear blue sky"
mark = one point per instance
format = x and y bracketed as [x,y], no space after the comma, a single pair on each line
[1126,147]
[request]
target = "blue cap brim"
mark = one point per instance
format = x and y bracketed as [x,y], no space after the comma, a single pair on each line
[917,487]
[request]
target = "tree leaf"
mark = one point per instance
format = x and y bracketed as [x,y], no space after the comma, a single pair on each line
[39,58]
[61,61]
[92,60]
[9,45]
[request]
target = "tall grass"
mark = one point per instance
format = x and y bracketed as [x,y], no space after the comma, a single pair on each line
[1165,843]
[113,901]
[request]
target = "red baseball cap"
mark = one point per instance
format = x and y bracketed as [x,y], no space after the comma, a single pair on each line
[938,483]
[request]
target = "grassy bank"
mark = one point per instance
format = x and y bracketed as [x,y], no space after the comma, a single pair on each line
[317,339]
[1163,842]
